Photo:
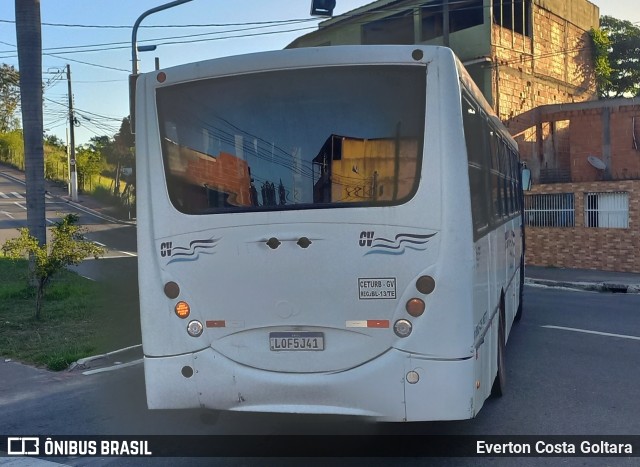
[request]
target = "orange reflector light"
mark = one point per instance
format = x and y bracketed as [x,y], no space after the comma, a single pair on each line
[182,309]
[161,77]
[415,307]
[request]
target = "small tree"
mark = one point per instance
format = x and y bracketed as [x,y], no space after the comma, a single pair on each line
[67,247]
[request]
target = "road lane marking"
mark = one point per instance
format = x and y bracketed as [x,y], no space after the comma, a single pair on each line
[20,205]
[586,331]
[7,214]
[2,195]
[17,195]
[129,254]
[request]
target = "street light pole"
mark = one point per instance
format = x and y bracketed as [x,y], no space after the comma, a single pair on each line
[134,53]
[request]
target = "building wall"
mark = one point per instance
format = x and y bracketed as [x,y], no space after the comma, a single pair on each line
[583,247]
[552,66]
[625,142]
[607,129]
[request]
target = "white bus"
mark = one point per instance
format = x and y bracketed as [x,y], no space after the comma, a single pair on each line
[330,230]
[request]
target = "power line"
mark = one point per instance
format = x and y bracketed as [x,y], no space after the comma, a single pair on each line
[165,41]
[86,63]
[168,26]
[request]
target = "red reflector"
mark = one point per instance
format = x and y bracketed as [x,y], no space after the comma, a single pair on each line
[378,323]
[216,324]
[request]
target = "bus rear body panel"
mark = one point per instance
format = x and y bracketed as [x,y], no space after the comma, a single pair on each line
[376,389]
[285,237]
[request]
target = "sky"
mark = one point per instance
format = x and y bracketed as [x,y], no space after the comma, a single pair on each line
[94,38]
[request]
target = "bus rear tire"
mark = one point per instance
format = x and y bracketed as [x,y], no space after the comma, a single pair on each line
[500,383]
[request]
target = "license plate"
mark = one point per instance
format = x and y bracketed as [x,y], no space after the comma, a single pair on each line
[293,341]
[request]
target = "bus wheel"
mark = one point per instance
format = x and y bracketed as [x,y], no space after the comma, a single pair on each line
[500,383]
[518,315]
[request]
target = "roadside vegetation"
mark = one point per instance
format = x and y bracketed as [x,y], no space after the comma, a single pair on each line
[71,325]
[104,165]
[67,247]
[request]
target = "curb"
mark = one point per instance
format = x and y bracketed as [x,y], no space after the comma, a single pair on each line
[603,287]
[91,211]
[118,358]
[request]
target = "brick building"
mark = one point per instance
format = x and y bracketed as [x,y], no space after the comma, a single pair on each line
[584,208]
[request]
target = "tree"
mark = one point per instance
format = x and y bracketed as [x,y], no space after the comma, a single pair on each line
[67,247]
[89,162]
[29,40]
[125,150]
[55,158]
[623,58]
[601,45]
[9,97]
[12,148]
[54,141]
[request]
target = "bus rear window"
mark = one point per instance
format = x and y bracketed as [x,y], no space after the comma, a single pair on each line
[303,138]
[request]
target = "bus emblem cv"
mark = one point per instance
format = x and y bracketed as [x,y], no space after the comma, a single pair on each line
[191,252]
[398,246]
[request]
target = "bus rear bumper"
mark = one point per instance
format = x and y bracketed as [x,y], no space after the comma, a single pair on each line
[378,388]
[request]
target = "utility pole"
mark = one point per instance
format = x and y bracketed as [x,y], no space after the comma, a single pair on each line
[73,173]
[29,40]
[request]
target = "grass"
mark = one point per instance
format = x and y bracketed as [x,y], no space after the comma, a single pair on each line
[76,322]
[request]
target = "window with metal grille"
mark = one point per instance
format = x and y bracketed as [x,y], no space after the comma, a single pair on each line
[607,210]
[549,210]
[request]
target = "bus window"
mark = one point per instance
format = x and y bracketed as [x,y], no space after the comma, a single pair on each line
[477,154]
[245,143]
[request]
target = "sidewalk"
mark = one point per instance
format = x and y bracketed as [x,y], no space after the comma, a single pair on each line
[583,279]
[59,191]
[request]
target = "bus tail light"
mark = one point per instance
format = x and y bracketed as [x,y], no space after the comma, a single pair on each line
[402,328]
[194,328]
[415,307]
[182,309]
[171,290]
[425,284]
